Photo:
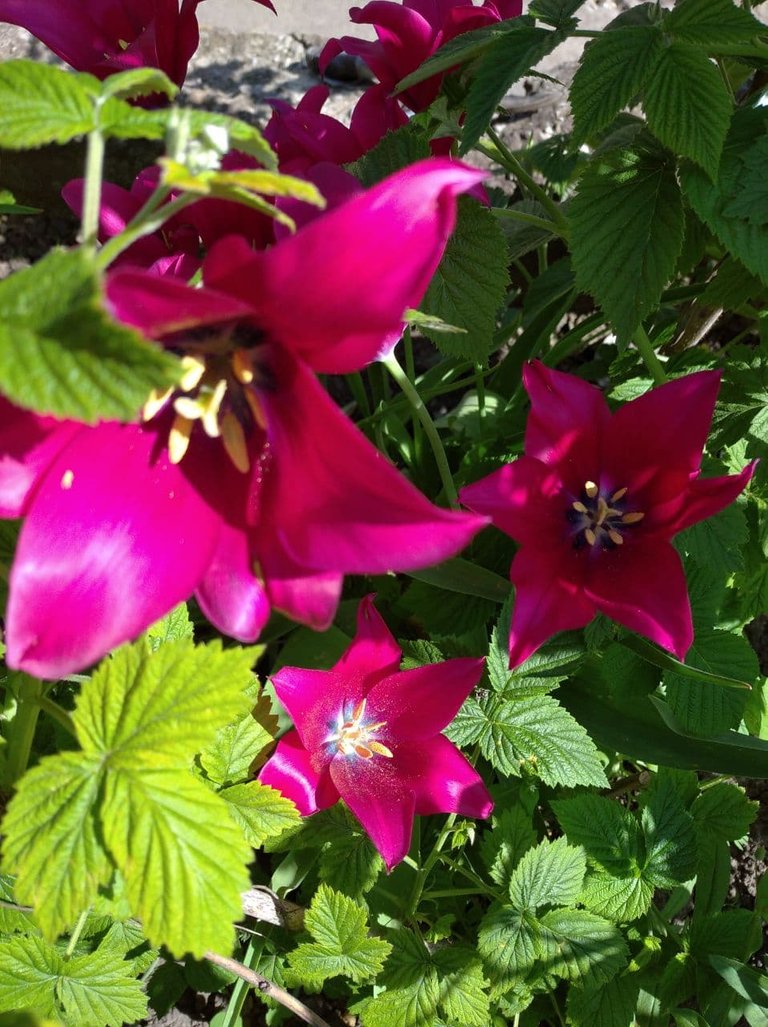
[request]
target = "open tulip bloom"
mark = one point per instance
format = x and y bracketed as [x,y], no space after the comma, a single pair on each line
[106,36]
[595,501]
[368,733]
[245,484]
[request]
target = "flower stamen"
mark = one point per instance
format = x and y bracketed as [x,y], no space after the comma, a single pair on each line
[355,738]
[600,521]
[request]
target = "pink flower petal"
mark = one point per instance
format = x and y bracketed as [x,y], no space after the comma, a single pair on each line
[290,771]
[707,496]
[336,502]
[546,601]
[304,595]
[28,443]
[642,586]
[317,701]
[230,595]
[417,704]
[519,498]
[373,653]
[566,424]
[382,802]
[337,305]
[115,537]
[443,780]
[662,431]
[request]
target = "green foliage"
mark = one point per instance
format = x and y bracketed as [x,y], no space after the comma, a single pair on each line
[341,944]
[396,150]
[469,285]
[627,232]
[42,104]
[61,353]
[711,23]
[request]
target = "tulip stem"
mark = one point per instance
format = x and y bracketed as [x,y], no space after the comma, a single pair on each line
[411,393]
[648,354]
[149,219]
[21,730]
[94,167]
[513,165]
[429,862]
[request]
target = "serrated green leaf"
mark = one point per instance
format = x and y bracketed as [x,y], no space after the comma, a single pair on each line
[507,59]
[341,945]
[348,862]
[462,996]
[549,875]
[724,811]
[619,899]
[41,104]
[612,71]
[468,287]
[610,835]
[127,85]
[533,730]
[29,969]
[688,106]
[261,811]
[582,947]
[60,352]
[166,704]
[509,942]
[711,23]
[52,840]
[175,626]
[713,874]
[735,933]
[522,237]
[610,1005]
[704,708]
[557,13]
[670,836]
[258,181]
[627,231]
[752,202]
[183,858]
[502,847]
[462,48]
[228,759]
[396,150]
[716,542]
[100,989]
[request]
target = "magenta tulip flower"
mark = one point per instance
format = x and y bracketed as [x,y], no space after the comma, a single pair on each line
[595,501]
[410,32]
[368,733]
[245,485]
[106,36]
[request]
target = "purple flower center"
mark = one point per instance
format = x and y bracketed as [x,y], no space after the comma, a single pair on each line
[222,365]
[353,737]
[599,518]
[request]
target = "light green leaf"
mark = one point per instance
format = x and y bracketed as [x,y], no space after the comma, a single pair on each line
[610,1005]
[468,287]
[228,759]
[724,811]
[582,947]
[341,945]
[162,706]
[412,984]
[549,875]
[710,23]
[609,833]
[462,997]
[175,626]
[348,862]
[51,839]
[613,70]
[509,942]
[709,709]
[261,811]
[502,847]
[127,85]
[508,58]
[41,104]
[183,858]
[29,970]
[99,988]
[627,232]
[60,352]
[620,899]
[670,837]
[688,106]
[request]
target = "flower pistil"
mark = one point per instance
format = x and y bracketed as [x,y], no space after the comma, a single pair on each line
[356,738]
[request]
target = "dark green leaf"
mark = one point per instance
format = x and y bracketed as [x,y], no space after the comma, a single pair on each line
[396,150]
[710,23]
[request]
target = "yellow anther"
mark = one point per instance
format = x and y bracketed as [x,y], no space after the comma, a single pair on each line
[155,403]
[256,408]
[618,494]
[211,406]
[362,750]
[233,437]
[359,710]
[178,438]
[615,537]
[632,518]
[579,507]
[187,407]
[602,511]
[590,536]
[591,489]
[382,750]
[241,365]
[194,369]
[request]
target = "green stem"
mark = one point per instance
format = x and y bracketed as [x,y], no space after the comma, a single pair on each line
[21,730]
[76,933]
[94,168]
[528,219]
[58,714]
[513,165]
[411,393]
[648,353]
[432,858]
[143,224]
[241,988]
